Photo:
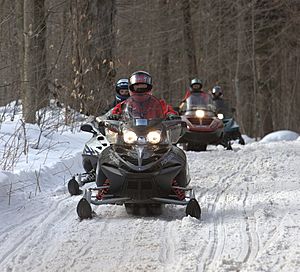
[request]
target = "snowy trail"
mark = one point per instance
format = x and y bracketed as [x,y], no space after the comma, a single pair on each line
[249,222]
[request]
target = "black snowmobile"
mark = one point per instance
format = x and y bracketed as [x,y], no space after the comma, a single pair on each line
[142,169]
[231,127]
[231,130]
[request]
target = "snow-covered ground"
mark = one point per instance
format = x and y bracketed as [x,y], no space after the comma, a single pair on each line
[249,198]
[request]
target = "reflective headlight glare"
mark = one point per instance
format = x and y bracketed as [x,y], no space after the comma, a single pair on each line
[220,116]
[200,113]
[129,137]
[154,137]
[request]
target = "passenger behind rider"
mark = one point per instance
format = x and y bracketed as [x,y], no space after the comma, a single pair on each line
[122,93]
[140,82]
[195,87]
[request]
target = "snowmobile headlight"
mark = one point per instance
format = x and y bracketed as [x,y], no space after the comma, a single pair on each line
[154,137]
[129,136]
[220,116]
[200,113]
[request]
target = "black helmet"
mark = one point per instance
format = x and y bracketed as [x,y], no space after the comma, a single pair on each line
[121,84]
[140,77]
[217,91]
[196,81]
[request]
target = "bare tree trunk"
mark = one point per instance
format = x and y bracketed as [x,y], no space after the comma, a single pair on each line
[269,16]
[93,53]
[107,49]
[41,64]
[188,38]
[3,65]
[164,57]
[19,41]
[256,116]
[29,91]
[77,80]
[239,51]
[34,60]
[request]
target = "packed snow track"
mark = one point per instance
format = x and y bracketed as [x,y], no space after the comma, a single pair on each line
[250,221]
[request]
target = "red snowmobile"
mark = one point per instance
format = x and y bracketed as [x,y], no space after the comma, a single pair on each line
[203,125]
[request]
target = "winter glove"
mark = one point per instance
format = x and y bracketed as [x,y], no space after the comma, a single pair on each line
[114,117]
[173,117]
[90,119]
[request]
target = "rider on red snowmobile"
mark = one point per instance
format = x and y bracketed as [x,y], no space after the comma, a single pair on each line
[195,87]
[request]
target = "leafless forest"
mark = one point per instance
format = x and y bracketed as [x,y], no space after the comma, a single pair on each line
[75,50]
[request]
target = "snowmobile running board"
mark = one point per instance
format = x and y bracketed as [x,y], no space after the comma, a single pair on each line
[80,181]
[88,196]
[122,200]
[110,201]
[170,201]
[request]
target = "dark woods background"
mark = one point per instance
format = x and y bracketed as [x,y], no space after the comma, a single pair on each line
[75,50]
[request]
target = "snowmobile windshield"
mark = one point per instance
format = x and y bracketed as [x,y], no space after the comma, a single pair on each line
[199,101]
[143,109]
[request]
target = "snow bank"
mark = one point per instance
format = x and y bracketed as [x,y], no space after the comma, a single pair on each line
[34,158]
[247,139]
[281,135]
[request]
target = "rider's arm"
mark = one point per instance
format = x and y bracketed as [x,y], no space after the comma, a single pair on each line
[187,95]
[167,108]
[117,109]
[169,112]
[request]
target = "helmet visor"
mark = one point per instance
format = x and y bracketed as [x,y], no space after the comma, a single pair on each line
[140,78]
[140,88]
[217,91]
